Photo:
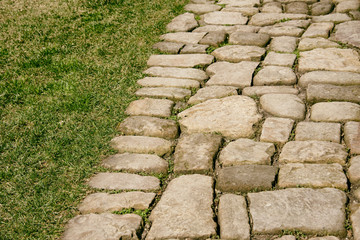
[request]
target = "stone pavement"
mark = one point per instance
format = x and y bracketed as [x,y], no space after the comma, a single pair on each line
[247,127]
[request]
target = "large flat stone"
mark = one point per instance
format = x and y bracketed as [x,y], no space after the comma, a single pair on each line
[184,210]
[352,136]
[295,23]
[310,211]
[234,53]
[262,90]
[321,8]
[183,37]
[275,75]
[168,47]
[251,39]
[246,11]
[283,44]
[283,105]
[307,44]
[212,92]
[321,131]
[318,30]
[276,31]
[214,38]
[201,8]
[182,23]
[276,130]
[348,32]
[172,72]
[185,60]
[150,107]
[237,3]
[227,29]
[194,48]
[329,77]
[222,18]
[334,17]
[279,59]
[168,82]
[297,7]
[164,92]
[335,112]
[346,6]
[272,7]
[355,220]
[263,19]
[327,92]
[233,117]
[354,170]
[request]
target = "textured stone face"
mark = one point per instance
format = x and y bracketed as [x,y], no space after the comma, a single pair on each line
[168,47]
[335,112]
[326,92]
[212,92]
[334,17]
[275,31]
[275,75]
[187,60]
[321,8]
[183,37]
[172,72]
[352,136]
[262,90]
[182,23]
[168,82]
[346,6]
[246,11]
[150,107]
[355,220]
[318,131]
[263,19]
[279,59]
[329,77]
[295,23]
[229,18]
[318,30]
[236,3]
[233,53]
[194,48]
[227,29]
[272,7]
[283,44]
[276,130]
[213,38]
[251,39]
[307,44]
[164,92]
[354,170]
[297,7]
[283,105]
[201,8]
[348,32]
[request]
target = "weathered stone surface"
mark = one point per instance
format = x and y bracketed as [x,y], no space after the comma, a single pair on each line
[279,59]
[261,90]
[233,53]
[183,37]
[229,18]
[283,105]
[276,31]
[286,237]
[297,7]
[283,44]
[195,153]
[252,39]
[357,194]
[326,92]
[354,170]
[332,59]
[168,47]
[233,217]
[164,92]
[349,33]
[246,11]
[321,8]
[237,3]
[105,202]
[318,131]
[306,44]
[227,29]
[184,210]
[276,130]
[245,178]
[335,112]
[182,23]
[329,77]
[141,144]
[352,136]
[312,175]
[263,19]
[194,48]
[233,117]
[355,220]
[295,23]
[325,238]
[171,72]
[319,30]
[246,151]
[201,8]
[313,152]
[103,226]
[231,74]
[135,163]
[355,15]
[168,82]
[212,92]
[334,17]
[275,75]
[213,38]
[202,1]
[124,181]
[346,6]
[150,107]
[320,211]
[188,60]
[272,7]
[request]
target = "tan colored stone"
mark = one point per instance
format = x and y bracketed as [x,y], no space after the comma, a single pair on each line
[182,23]
[321,8]
[163,92]
[327,92]
[246,11]
[352,136]
[319,30]
[168,82]
[212,92]
[283,44]
[150,107]
[227,29]
[194,48]
[279,59]
[263,19]
[286,237]
[307,44]
[171,72]
[283,105]
[168,47]
[348,32]
[354,170]
[355,220]
[261,90]
[325,238]
[276,130]
[201,8]
[251,39]
[229,18]
[275,75]
[297,7]
[335,112]
[213,38]
[272,7]
[295,23]
[188,60]
[183,37]
[320,131]
[357,194]
[329,77]
[334,17]
[233,53]
[237,3]
[276,31]
[346,6]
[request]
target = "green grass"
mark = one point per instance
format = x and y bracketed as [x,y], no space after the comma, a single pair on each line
[68,70]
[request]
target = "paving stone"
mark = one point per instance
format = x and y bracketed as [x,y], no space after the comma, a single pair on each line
[201,8]
[233,117]
[237,3]
[294,23]
[276,130]
[124,181]
[283,44]
[329,77]
[349,33]
[297,7]
[246,151]
[233,53]
[272,7]
[263,19]
[103,226]
[355,15]
[246,11]
[164,92]
[150,107]
[325,238]
[194,48]
[306,1]
[355,220]
[141,144]
[182,23]
[332,59]
[233,217]
[262,90]
[171,72]
[276,31]
[335,112]
[306,44]
[168,82]
[352,136]
[252,39]
[212,92]
[318,131]
[283,105]
[213,38]
[135,163]
[319,30]
[188,60]
[275,75]
[320,152]
[321,8]
[279,59]
[334,17]
[183,37]
[227,29]
[184,210]
[105,202]
[229,18]
[328,92]
[354,170]
[245,178]
[195,153]
[320,211]
[312,175]
[286,237]
[202,1]
[168,47]
[346,6]
[357,194]
[231,74]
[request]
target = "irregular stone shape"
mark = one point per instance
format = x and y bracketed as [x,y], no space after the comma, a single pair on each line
[286,237]
[294,23]
[233,217]
[245,178]
[297,7]
[263,19]
[237,3]
[188,60]
[283,105]
[150,107]
[272,7]
[229,18]
[320,211]
[352,136]
[283,44]
[334,17]
[141,144]
[355,15]
[335,112]
[321,8]
[184,210]
[171,72]
[201,8]
[202,1]
[318,131]
[276,31]
[168,82]
[183,37]
[357,194]
[168,47]
[332,59]
[182,23]
[212,92]
[348,32]
[312,175]
[195,153]
[227,29]
[194,48]
[276,130]
[261,90]
[319,30]
[135,163]
[324,238]
[231,74]
[105,202]
[355,220]
[329,77]
[164,92]
[233,53]
[313,152]
[307,44]
[252,39]
[346,6]
[246,11]
[275,75]
[213,38]
[279,59]
[124,181]
[246,151]
[326,92]
[103,226]
[233,117]
[354,170]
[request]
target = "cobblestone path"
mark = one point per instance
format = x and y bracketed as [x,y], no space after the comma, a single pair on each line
[247,127]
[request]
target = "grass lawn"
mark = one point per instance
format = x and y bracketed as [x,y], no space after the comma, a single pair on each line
[68,70]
